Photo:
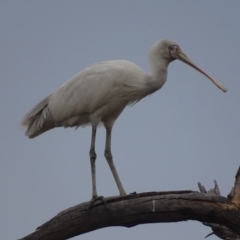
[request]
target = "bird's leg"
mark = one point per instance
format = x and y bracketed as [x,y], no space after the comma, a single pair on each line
[93,157]
[109,158]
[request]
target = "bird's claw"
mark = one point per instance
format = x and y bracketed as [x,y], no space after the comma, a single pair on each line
[94,199]
[133,193]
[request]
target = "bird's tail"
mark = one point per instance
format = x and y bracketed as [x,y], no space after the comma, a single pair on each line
[39,119]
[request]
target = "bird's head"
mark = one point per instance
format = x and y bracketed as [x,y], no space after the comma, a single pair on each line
[165,50]
[168,51]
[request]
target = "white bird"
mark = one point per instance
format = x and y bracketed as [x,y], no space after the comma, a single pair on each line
[99,93]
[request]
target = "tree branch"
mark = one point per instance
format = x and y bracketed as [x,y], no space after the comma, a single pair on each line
[152,207]
[219,230]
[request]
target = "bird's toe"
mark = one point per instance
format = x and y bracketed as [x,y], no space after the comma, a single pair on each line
[95,199]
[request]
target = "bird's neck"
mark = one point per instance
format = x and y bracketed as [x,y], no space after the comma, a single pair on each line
[134,91]
[158,75]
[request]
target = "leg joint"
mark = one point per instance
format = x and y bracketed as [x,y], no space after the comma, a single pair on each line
[92,154]
[108,154]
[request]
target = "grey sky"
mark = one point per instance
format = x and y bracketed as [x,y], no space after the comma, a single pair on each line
[187,132]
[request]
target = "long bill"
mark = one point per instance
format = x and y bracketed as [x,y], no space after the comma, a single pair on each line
[181,56]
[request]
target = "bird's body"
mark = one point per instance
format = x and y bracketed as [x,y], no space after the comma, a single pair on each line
[100,93]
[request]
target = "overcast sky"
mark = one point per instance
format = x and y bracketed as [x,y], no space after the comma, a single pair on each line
[187,132]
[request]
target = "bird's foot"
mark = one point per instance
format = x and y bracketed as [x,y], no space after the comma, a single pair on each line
[96,198]
[133,193]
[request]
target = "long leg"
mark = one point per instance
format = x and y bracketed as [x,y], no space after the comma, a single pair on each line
[109,158]
[93,157]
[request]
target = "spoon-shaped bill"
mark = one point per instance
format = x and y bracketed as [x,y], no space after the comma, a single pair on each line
[184,58]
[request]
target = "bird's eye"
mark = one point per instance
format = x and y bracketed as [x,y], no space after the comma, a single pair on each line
[170,48]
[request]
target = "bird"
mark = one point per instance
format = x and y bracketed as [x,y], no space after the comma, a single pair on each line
[99,93]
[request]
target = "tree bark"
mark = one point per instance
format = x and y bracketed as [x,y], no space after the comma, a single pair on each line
[220,213]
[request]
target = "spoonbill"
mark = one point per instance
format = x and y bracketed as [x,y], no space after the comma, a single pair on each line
[99,93]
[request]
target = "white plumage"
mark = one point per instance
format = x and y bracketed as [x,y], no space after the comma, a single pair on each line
[100,93]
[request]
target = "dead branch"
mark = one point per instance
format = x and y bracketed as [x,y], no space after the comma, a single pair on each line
[220,213]
[219,230]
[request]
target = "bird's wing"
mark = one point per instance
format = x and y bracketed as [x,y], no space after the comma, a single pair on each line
[87,91]
[100,90]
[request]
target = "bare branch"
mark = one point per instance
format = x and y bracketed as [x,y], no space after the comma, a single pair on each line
[220,213]
[132,210]
[219,230]
[235,193]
